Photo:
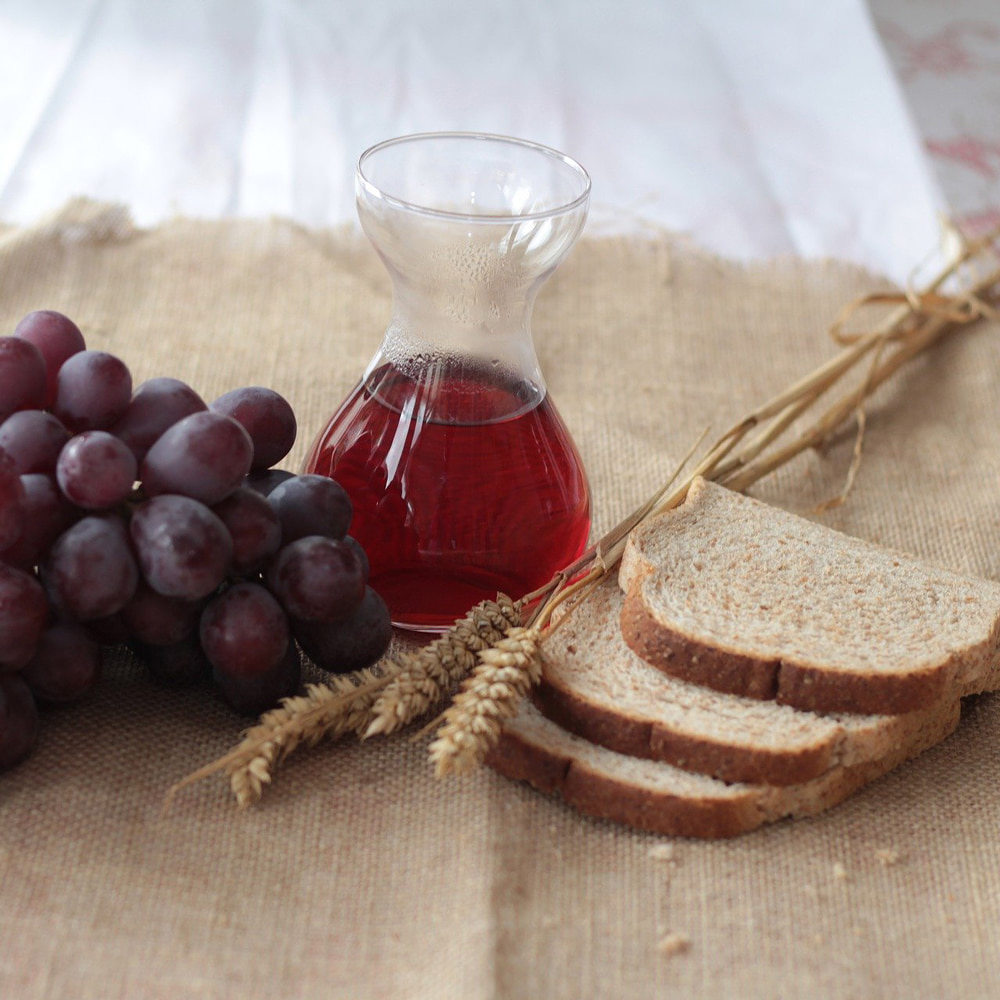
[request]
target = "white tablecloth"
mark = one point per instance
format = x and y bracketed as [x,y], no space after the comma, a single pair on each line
[761,128]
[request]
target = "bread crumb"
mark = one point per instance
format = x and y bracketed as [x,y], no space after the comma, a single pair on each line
[839,872]
[662,852]
[673,944]
[887,856]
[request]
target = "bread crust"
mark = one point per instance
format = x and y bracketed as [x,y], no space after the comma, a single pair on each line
[654,741]
[743,808]
[604,798]
[802,686]
[950,624]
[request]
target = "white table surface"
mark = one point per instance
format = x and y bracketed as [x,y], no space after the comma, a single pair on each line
[764,128]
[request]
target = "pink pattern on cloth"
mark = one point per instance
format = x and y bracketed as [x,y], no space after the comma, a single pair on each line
[947,58]
[978,154]
[954,49]
[978,223]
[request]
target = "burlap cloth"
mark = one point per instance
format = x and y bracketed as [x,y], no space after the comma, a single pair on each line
[359,875]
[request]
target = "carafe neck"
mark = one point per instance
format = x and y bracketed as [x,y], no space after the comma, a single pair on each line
[470,324]
[465,287]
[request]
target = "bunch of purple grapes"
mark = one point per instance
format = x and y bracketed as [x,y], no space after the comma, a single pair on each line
[152,519]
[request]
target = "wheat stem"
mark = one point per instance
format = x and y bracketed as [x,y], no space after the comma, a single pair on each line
[503,675]
[430,674]
[325,710]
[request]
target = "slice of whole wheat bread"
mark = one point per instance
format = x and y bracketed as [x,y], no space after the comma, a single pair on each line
[652,795]
[728,592]
[596,687]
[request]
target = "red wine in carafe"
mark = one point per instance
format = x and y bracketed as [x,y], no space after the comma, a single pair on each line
[464,482]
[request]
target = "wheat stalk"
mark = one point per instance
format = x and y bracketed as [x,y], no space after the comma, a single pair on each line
[503,675]
[505,672]
[359,701]
[325,710]
[432,672]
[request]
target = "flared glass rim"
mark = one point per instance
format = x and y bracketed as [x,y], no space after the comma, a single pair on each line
[373,189]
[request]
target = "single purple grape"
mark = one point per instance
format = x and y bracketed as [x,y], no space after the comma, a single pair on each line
[311,505]
[254,527]
[66,665]
[12,502]
[57,338]
[268,419]
[47,514]
[93,391]
[157,405]
[22,376]
[156,620]
[23,613]
[18,720]
[243,631]
[252,694]
[96,470]
[353,643]
[33,439]
[183,549]
[90,571]
[204,456]
[317,579]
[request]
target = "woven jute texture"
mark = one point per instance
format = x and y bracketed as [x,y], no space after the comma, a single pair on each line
[359,875]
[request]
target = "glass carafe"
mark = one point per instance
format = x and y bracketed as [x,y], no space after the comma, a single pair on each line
[463,476]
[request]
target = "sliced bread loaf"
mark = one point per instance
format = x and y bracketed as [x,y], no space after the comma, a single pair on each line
[595,686]
[652,795]
[728,592]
